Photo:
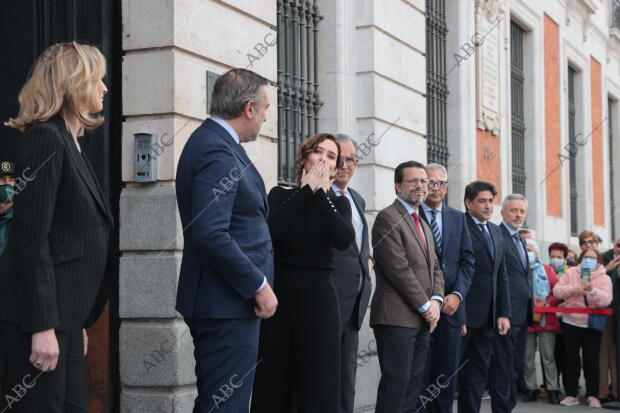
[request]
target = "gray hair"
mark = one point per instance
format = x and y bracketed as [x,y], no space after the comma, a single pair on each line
[435,167]
[533,244]
[233,90]
[341,137]
[512,197]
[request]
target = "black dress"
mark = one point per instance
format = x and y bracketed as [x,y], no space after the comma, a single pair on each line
[299,350]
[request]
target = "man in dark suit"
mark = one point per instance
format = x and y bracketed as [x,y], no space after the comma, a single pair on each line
[509,349]
[454,251]
[407,301]
[488,300]
[352,269]
[227,267]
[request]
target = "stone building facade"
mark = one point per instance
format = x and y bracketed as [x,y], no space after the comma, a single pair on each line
[370,69]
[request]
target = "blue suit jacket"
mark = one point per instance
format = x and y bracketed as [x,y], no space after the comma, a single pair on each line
[519,279]
[457,262]
[227,249]
[489,294]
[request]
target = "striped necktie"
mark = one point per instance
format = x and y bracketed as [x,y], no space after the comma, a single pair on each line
[436,232]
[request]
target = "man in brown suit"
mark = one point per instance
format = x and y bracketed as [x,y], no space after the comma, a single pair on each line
[406,306]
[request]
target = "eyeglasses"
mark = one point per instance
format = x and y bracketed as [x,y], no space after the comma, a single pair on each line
[437,184]
[589,242]
[350,160]
[422,181]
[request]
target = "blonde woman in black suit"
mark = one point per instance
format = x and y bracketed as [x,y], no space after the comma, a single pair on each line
[51,289]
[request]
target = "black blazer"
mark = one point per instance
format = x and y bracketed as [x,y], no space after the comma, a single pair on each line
[351,276]
[521,303]
[457,261]
[489,295]
[60,239]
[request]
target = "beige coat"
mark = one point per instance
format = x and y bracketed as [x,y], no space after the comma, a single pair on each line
[407,275]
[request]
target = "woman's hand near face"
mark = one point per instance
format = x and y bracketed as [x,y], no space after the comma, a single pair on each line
[312,178]
[326,179]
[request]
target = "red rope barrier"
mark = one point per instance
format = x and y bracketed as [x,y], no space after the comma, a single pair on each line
[605,311]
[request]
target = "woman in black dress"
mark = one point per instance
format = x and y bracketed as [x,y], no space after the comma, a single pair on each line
[299,351]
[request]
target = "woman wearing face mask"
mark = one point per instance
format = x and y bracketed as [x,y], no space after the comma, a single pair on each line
[299,346]
[557,258]
[571,259]
[542,333]
[578,292]
[558,254]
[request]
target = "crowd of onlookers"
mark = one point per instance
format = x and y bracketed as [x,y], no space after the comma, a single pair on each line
[569,341]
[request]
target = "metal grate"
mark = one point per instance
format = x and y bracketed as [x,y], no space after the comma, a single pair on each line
[436,85]
[517,80]
[298,97]
[572,111]
[615,14]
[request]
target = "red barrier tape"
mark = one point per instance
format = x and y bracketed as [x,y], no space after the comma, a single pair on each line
[605,311]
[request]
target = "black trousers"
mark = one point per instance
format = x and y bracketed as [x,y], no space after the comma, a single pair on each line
[508,356]
[402,355]
[299,347]
[28,390]
[589,342]
[475,362]
[349,343]
[442,367]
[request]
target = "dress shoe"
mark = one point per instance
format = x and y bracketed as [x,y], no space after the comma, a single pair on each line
[554,397]
[531,396]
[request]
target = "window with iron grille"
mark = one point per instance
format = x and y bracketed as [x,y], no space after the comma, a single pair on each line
[611,105]
[298,97]
[615,14]
[572,164]
[436,86]
[517,80]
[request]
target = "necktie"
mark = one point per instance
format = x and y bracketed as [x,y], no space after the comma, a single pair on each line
[487,238]
[517,238]
[416,219]
[436,232]
[344,193]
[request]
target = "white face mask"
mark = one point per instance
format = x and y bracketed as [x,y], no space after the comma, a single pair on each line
[531,257]
[557,262]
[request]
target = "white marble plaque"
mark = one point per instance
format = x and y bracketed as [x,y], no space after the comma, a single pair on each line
[487,67]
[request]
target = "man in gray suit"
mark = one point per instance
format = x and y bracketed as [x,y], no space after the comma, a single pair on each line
[407,301]
[352,269]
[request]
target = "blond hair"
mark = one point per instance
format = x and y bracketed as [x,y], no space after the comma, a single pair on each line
[62,81]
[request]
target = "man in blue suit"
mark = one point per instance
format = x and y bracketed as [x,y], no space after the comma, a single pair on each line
[227,268]
[488,300]
[509,349]
[454,251]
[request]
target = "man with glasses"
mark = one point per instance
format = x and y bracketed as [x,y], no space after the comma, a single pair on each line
[454,252]
[407,302]
[352,268]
